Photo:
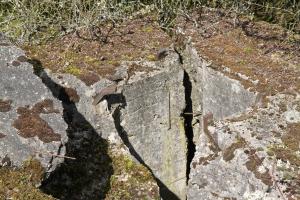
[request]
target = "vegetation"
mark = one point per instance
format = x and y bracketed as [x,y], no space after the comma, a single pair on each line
[130,180]
[20,183]
[44,19]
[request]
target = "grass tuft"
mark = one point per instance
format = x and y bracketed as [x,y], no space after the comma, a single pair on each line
[29,20]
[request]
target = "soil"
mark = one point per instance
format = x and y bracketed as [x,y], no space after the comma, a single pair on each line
[138,39]
[266,54]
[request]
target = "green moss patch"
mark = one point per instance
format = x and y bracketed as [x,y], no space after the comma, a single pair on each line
[131,180]
[87,59]
[19,184]
[73,70]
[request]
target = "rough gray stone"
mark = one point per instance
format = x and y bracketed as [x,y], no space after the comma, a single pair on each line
[154,128]
[30,117]
[243,150]
[193,65]
[223,96]
[100,115]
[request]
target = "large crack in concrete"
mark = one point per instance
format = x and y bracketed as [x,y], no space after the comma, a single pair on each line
[188,119]
[187,116]
[55,184]
[165,193]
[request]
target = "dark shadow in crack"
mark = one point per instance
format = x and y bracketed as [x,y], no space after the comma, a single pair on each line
[165,193]
[88,176]
[188,127]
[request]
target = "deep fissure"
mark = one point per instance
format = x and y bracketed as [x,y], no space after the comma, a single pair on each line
[188,119]
[191,147]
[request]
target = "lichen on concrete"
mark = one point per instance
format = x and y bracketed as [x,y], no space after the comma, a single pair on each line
[40,131]
[5,105]
[30,124]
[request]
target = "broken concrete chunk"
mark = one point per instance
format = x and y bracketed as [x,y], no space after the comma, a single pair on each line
[152,127]
[30,116]
[104,92]
[237,140]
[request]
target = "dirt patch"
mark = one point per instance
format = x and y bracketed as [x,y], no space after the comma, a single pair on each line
[45,107]
[6,161]
[242,56]
[21,183]
[264,57]
[292,138]
[134,67]
[137,39]
[208,120]
[288,152]
[30,124]
[15,63]
[5,105]
[205,160]
[4,44]
[22,59]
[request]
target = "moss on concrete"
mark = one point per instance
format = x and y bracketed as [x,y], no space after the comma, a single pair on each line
[130,180]
[20,184]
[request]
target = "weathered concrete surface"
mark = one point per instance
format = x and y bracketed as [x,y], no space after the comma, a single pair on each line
[246,148]
[222,96]
[100,115]
[256,159]
[152,123]
[109,151]
[31,122]
[247,145]
[213,92]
